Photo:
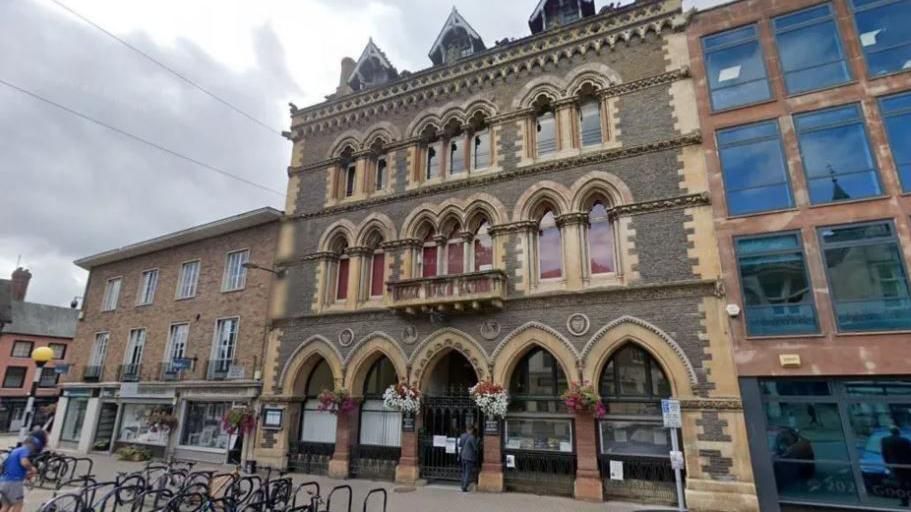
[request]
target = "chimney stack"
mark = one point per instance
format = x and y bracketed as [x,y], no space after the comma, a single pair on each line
[348,65]
[21,278]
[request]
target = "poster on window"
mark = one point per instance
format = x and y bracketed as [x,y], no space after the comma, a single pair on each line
[135,427]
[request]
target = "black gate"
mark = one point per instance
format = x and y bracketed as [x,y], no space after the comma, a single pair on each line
[444,421]
[312,458]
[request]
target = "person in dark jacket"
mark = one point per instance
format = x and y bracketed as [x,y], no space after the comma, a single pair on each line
[896,449]
[468,455]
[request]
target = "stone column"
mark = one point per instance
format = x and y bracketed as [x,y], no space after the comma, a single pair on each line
[571,232]
[346,428]
[588,484]
[491,477]
[406,472]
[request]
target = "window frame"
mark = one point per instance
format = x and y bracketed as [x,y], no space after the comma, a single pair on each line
[169,356]
[180,279]
[536,124]
[63,347]
[784,162]
[380,173]
[853,9]
[145,294]
[539,272]
[216,342]
[131,346]
[31,348]
[599,108]
[833,17]
[104,348]
[611,225]
[906,187]
[41,378]
[6,376]
[806,270]
[822,254]
[243,271]
[378,253]
[762,59]
[474,137]
[106,299]
[862,120]
[350,184]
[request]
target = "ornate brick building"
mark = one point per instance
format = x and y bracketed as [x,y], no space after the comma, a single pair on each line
[535,213]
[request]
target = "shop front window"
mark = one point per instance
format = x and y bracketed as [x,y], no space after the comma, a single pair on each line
[73,420]
[827,438]
[202,425]
[135,427]
[318,426]
[539,434]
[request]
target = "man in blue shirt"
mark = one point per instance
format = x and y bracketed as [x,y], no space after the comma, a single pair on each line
[16,469]
[468,456]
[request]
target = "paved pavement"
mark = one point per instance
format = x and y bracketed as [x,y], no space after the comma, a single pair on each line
[427,498]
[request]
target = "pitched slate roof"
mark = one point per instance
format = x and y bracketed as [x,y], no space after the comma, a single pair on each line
[371,56]
[42,320]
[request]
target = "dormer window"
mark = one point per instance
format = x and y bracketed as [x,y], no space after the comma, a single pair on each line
[372,69]
[556,13]
[456,40]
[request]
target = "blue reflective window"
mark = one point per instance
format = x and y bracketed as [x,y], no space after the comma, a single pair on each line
[867,280]
[735,68]
[810,49]
[884,35]
[753,164]
[897,115]
[836,155]
[777,295]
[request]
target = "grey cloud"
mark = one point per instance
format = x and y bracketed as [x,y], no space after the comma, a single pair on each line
[70,188]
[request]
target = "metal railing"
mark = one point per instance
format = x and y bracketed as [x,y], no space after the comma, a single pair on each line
[541,472]
[312,458]
[91,373]
[377,462]
[646,479]
[218,369]
[171,370]
[129,372]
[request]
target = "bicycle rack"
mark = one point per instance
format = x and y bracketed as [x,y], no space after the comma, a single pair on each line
[333,491]
[376,491]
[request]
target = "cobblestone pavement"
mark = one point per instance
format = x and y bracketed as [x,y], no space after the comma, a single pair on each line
[428,498]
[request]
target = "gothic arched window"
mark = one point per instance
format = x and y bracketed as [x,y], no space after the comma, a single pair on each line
[550,247]
[600,240]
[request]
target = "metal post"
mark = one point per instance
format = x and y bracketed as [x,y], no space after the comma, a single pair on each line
[681,505]
[30,405]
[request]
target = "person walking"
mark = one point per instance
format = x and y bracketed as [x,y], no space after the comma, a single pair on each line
[17,468]
[468,455]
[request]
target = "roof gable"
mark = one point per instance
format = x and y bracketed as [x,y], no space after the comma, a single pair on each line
[372,68]
[547,13]
[456,39]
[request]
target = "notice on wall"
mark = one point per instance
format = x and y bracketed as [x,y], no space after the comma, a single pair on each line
[566,446]
[616,470]
[450,445]
[511,461]
[439,441]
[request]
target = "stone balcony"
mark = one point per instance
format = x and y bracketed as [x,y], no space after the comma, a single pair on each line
[474,291]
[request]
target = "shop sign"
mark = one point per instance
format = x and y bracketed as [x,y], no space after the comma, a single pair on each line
[182,363]
[670,413]
[491,427]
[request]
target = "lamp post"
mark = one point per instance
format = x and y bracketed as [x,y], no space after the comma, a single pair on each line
[40,356]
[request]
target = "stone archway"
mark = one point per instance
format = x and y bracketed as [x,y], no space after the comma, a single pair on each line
[304,358]
[367,352]
[430,351]
[521,340]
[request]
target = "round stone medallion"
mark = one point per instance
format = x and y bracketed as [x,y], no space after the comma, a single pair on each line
[345,337]
[577,324]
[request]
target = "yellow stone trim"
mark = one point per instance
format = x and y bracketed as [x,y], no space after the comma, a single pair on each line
[434,347]
[365,354]
[520,341]
[305,357]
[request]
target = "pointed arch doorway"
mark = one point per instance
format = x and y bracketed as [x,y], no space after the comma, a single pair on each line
[446,411]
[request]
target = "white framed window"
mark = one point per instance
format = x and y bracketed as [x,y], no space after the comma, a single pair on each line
[99,348]
[111,294]
[177,342]
[189,276]
[225,341]
[59,350]
[22,348]
[235,277]
[135,347]
[148,283]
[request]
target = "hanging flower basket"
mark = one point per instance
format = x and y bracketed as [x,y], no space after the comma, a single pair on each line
[336,401]
[161,419]
[581,398]
[239,420]
[403,397]
[490,398]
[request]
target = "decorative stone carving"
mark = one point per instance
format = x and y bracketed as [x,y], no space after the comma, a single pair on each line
[410,334]
[490,329]
[578,324]
[345,337]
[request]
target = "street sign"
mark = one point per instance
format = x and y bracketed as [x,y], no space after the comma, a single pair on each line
[61,369]
[182,363]
[677,460]
[235,372]
[670,413]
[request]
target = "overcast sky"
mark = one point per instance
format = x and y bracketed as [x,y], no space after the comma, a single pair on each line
[69,188]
